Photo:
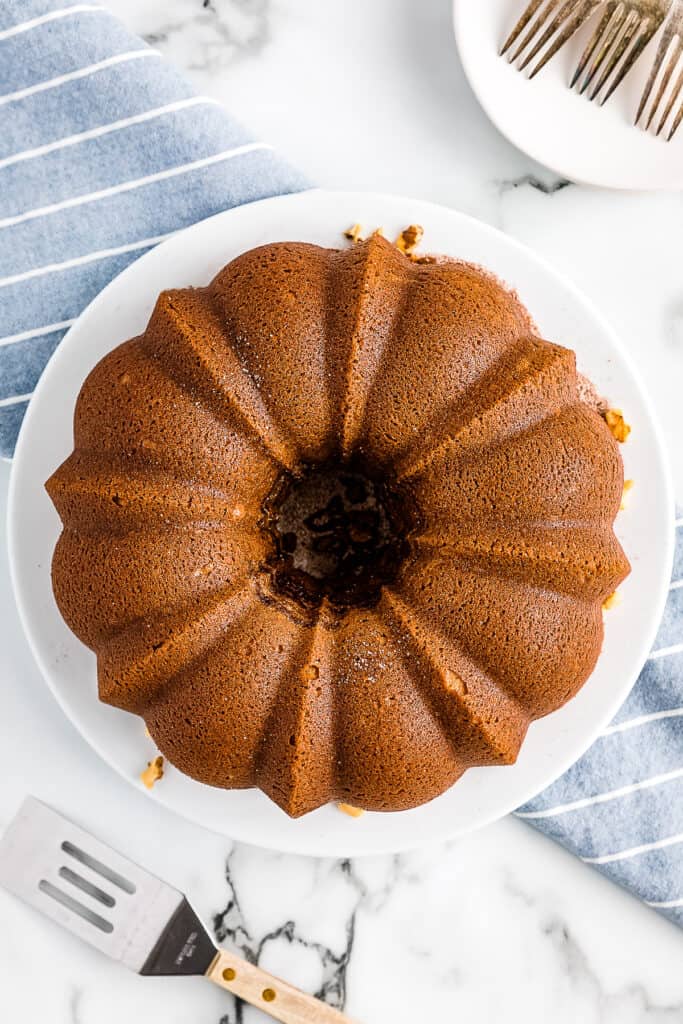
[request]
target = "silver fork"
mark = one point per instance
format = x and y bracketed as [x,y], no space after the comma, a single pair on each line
[546,20]
[624,31]
[673,34]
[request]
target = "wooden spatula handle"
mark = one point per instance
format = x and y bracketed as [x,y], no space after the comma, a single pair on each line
[271,995]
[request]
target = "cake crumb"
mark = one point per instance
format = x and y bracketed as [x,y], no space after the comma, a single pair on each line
[612,601]
[354,233]
[589,394]
[409,239]
[353,812]
[628,486]
[614,418]
[153,772]
[204,570]
[455,683]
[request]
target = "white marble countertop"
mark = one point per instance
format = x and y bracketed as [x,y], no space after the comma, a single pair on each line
[503,925]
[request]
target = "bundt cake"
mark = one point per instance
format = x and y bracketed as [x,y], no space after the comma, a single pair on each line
[338,525]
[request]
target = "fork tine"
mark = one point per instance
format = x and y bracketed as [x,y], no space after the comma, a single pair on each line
[614,17]
[568,7]
[675,93]
[641,42]
[658,62]
[521,25]
[622,43]
[666,78]
[581,14]
[678,118]
[587,54]
[540,21]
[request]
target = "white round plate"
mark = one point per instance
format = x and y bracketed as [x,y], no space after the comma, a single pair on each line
[575,138]
[192,258]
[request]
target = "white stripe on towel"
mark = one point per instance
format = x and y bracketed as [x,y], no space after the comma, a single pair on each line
[14,399]
[113,126]
[601,798]
[10,339]
[126,186]
[610,858]
[666,904]
[35,332]
[631,723]
[71,76]
[676,585]
[90,257]
[24,26]
[664,652]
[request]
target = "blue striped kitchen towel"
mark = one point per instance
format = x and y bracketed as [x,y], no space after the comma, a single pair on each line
[620,807]
[104,152]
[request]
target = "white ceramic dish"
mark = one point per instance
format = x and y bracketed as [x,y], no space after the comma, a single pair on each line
[577,139]
[122,310]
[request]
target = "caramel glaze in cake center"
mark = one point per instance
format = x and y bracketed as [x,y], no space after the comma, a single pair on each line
[457,592]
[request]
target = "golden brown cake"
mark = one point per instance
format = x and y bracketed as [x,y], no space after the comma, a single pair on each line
[338,525]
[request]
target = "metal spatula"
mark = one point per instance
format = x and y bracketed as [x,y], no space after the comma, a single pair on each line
[130,915]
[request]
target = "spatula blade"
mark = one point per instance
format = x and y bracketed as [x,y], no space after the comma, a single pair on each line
[99,895]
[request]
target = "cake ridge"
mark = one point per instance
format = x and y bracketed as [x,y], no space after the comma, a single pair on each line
[262,428]
[387,726]
[457,321]
[572,440]
[136,647]
[597,583]
[475,407]
[491,571]
[282,765]
[226,697]
[130,409]
[513,709]
[123,478]
[352,411]
[166,569]
[278,333]
[559,634]
[402,626]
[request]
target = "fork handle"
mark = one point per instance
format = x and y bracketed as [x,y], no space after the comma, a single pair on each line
[271,995]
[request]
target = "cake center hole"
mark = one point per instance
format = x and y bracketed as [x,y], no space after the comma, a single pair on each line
[339,534]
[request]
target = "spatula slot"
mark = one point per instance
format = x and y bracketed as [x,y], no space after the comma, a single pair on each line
[100,896]
[87,887]
[96,865]
[77,908]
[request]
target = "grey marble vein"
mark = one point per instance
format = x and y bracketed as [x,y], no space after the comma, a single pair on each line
[630,1002]
[673,325]
[75,999]
[399,871]
[216,32]
[548,188]
[230,927]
